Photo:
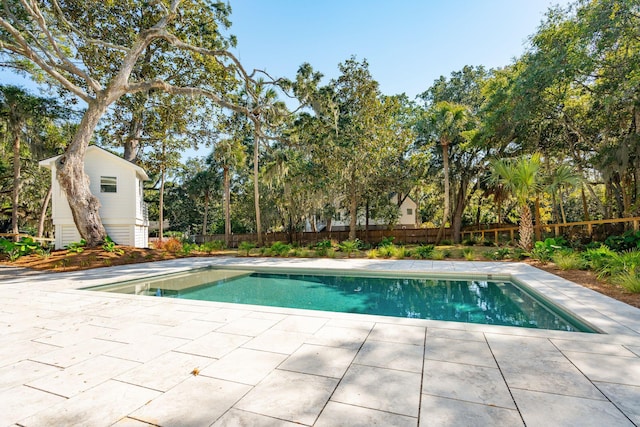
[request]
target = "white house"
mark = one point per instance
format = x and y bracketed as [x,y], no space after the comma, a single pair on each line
[118,184]
[408,216]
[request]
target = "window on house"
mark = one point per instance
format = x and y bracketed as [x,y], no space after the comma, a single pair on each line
[409,211]
[108,184]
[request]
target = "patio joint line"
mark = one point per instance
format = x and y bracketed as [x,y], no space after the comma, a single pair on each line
[504,379]
[424,352]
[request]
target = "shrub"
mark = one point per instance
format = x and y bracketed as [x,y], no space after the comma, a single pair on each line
[497,254]
[372,253]
[630,280]
[386,241]
[171,244]
[597,258]
[469,242]
[627,241]
[246,247]
[437,254]
[624,262]
[322,248]
[543,251]
[386,251]
[214,245]
[110,246]
[468,254]
[76,247]
[566,260]
[188,248]
[280,249]
[423,251]
[349,246]
[400,252]
[446,242]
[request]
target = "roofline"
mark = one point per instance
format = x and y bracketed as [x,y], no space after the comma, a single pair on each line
[47,163]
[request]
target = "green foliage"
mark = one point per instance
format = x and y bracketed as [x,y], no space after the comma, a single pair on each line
[624,262]
[110,246]
[188,248]
[438,254]
[280,249]
[567,260]
[323,247]
[349,246]
[76,247]
[386,251]
[212,246]
[628,240]
[596,259]
[543,251]
[497,254]
[630,280]
[372,253]
[446,242]
[246,247]
[468,254]
[386,241]
[15,250]
[423,251]
[400,252]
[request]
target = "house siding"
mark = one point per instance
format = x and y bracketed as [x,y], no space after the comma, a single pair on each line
[122,212]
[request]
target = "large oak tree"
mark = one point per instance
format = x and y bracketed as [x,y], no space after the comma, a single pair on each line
[95,50]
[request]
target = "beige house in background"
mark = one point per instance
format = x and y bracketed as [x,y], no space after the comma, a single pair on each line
[118,184]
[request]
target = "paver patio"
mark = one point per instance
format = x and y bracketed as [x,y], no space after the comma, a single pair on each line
[75,357]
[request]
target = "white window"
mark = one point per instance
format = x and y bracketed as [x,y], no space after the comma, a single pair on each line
[409,211]
[108,184]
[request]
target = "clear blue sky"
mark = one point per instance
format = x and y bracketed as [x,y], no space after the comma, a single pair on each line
[408,43]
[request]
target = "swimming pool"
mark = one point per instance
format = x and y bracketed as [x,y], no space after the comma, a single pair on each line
[484,301]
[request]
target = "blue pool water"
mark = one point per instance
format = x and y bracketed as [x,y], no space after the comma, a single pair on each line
[472,301]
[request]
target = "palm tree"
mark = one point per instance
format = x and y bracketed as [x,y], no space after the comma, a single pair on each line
[520,178]
[446,122]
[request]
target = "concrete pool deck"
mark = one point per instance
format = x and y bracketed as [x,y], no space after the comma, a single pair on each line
[76,357]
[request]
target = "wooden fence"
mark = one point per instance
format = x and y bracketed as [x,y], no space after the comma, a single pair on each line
[598,229]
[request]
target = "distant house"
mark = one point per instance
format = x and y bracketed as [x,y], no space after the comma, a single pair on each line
[408,217]
[118,184]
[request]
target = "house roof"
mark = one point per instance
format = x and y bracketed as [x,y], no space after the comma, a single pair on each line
[48,163]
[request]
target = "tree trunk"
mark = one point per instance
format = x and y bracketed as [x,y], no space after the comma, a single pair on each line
[256,190]
[206,213]
[564,215]
[538,228]
[227,206]
[353,215]
[15,196]
[161,205]
[585,208]
[43,211]
[75,183]
[526,228]
[132,143]
[445,214]
[366,224]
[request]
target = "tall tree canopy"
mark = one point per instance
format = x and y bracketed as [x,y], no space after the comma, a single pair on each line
[98,51]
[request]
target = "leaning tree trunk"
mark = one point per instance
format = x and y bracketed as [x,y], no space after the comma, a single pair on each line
[43,211]
[526,227]
[15,196]
[75,183]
